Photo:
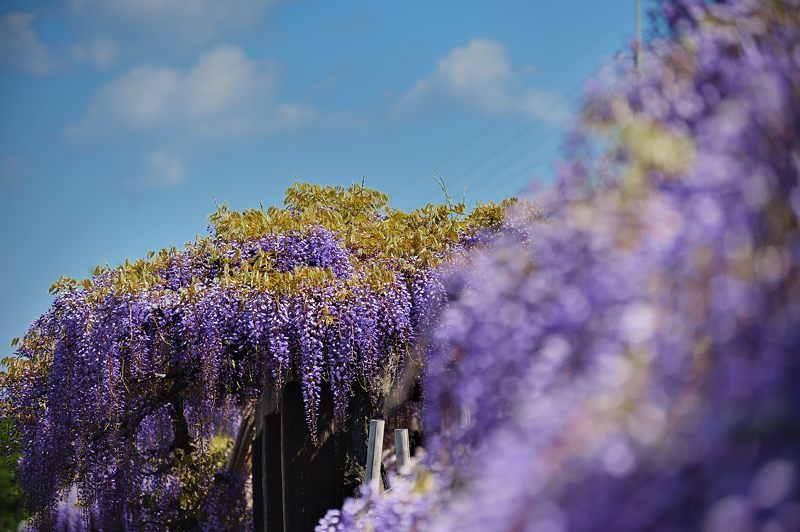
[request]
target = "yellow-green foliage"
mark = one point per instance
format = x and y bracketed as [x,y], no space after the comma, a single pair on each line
[381,240]
[362,218]
[647,145]
[195,471]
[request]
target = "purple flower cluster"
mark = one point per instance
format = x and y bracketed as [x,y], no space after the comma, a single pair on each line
[632,363]
[408,506]
[68,517]
[135,368]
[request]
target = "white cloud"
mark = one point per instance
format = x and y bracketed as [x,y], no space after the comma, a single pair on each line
[480,76]
[13,169]
[544,105]
[100,53]
[115,31]
[225,92]
[143,97]
[20,47]
[221,79]
[164,171]
[191,22]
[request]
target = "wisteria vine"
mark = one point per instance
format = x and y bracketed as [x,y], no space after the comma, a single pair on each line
[128,391]
[635,364]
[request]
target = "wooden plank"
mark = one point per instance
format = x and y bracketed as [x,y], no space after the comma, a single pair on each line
[267,465]
[402,450]
[465,416]
[311,479]
[259,509]
[300,482]
[272,474]
[374,452]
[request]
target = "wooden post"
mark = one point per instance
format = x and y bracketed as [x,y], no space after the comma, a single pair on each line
[294,481]
[374,452]
[465,417]
[402,450]
[310,477]
[259,508]
[267,466]
[271,477]
[637,55]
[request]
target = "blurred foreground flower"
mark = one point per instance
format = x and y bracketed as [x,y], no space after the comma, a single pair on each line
[636,364]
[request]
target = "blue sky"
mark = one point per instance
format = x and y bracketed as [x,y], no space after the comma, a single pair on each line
[123,121]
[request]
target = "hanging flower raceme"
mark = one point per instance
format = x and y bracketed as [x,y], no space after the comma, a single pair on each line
[117,393]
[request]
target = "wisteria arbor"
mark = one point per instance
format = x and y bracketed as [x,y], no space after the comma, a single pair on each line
[138,384]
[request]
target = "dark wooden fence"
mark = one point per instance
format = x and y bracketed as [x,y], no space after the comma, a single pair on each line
[294,481]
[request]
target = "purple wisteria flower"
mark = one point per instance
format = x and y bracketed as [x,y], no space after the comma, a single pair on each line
[133,385]
[632,363]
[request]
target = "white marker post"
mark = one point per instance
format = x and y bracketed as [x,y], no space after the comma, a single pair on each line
[402,450]
[374,453]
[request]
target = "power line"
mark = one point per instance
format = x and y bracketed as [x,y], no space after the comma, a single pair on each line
[490,155]
[566,98]
[460,147]
[638,47]
[514,137]
[499,149]
[540,139]
[493,178]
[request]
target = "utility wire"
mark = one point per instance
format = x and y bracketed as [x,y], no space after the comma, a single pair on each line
[514,137]
[460,147]
[493,179]
[567,98]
